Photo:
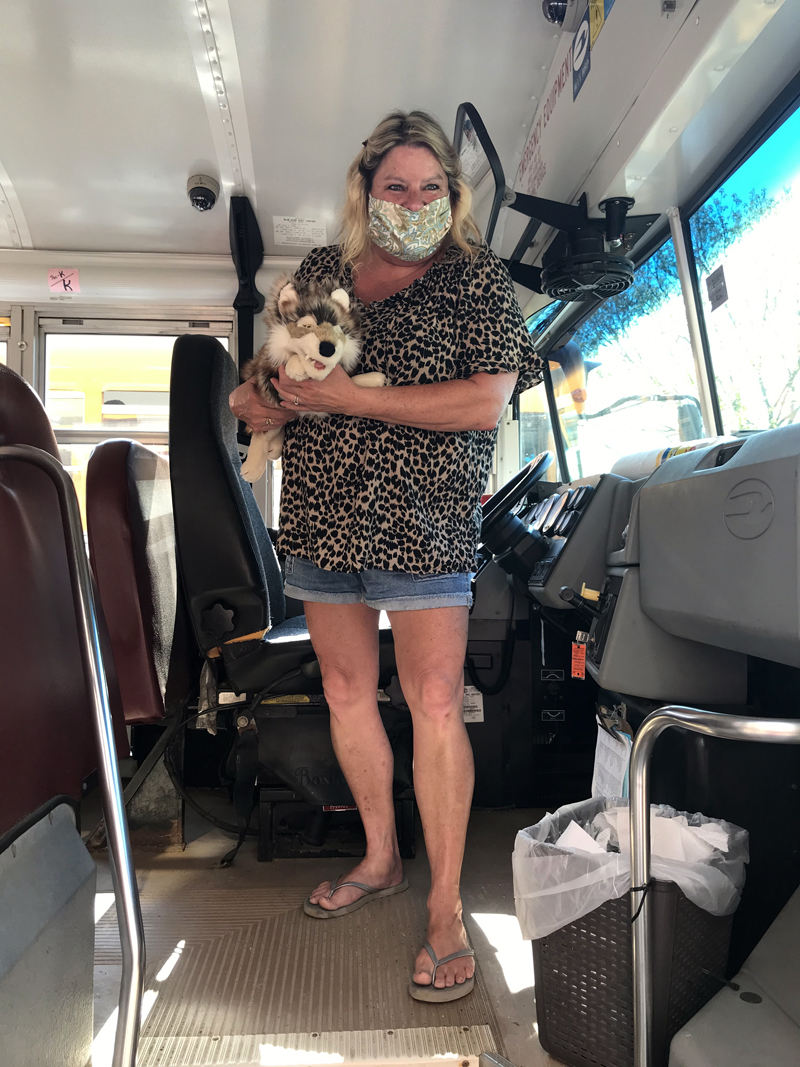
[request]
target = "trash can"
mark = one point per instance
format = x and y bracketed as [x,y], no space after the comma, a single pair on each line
[574,905]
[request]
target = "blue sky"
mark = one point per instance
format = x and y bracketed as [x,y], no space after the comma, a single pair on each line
[774,165]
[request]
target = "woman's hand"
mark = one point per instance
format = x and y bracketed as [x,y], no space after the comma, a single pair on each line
[251,408]
[335,394]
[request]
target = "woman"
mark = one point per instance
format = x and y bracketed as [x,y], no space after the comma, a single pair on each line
[380,506]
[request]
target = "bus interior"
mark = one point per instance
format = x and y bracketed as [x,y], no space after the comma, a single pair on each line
[169,792]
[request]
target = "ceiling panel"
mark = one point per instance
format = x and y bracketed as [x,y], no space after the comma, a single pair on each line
[101,124]
[103,119]
[319,75]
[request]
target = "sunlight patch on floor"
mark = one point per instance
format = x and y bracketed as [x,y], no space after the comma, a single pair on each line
[102,902]
[513,954]
[103,1044]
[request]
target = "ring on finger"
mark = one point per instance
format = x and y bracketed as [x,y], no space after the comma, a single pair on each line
[297,401]
[269,422]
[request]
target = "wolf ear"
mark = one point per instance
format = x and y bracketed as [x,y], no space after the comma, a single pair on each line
[340,297]
[288,299]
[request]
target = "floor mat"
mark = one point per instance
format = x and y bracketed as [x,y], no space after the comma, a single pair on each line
[241,975]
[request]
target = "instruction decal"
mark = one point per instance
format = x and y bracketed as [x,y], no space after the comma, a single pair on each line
[473,704]
[63,280]
[597,18]
[299,232]
[581,55]
[554,715]
[717,288]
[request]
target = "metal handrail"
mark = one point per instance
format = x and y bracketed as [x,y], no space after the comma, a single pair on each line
[126,893]
[712,724]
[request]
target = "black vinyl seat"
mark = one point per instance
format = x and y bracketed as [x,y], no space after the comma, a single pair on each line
[227,563]
[234,593]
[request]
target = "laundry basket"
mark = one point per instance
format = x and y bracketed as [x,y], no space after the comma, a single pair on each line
[584,990]
[573,903]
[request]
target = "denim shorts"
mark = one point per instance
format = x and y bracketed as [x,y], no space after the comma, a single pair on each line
[381,590]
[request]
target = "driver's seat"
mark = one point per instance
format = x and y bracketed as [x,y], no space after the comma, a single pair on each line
[234,592]
[227,563]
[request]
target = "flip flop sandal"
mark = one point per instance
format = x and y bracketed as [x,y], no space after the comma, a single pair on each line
[434,993]
[318,912]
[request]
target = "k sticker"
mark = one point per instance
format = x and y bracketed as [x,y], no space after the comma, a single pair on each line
[581,56]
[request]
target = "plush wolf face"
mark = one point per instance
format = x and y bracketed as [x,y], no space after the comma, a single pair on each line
[311,329]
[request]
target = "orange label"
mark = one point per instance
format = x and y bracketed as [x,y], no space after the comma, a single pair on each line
[578,660]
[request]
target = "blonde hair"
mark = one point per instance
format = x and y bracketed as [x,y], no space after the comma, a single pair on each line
[419,129]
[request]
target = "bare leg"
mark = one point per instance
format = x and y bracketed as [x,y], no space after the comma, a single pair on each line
[345,639]
[430,646]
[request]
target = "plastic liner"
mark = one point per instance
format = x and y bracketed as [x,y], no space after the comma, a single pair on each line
[555,886]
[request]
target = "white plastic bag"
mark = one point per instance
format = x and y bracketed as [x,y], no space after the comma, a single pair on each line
[555,886]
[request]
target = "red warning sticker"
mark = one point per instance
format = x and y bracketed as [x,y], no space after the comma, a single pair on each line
[578,660]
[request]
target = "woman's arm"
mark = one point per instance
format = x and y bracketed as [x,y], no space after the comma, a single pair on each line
[474,403]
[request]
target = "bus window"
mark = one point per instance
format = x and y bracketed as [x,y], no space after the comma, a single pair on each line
[535,424]
[625,381]
[745,239]
[3,351]
[102,385]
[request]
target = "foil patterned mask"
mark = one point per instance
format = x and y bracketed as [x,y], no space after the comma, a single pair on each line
[409,235]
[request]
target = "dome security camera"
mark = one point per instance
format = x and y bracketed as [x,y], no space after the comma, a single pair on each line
[203,191]
[564,13]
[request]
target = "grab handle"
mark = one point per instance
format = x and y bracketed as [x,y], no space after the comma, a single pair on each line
[712,724]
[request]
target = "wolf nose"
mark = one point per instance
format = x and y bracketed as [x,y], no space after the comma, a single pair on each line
[326,349]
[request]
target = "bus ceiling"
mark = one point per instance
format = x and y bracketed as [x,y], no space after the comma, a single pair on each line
[107,111]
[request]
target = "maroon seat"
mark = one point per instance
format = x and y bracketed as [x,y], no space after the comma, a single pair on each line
[132,550]
[46,734]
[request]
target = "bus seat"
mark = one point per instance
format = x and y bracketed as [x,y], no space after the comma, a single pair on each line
[47,745]
[229,570]
[230,573]
[132,550]
[234,592]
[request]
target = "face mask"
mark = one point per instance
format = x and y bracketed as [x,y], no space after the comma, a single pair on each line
[409,235]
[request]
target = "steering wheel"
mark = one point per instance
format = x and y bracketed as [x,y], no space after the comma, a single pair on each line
[503,502]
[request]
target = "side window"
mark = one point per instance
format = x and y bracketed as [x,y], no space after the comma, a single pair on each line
[745,239]
[535,424]
[625,381]
[103,385]
[4,328]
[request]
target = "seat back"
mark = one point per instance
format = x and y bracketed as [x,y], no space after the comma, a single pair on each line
[132,550]
[46,735]
[228,567]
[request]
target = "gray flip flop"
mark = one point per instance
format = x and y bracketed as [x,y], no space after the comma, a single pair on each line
[318,912]
[434,993]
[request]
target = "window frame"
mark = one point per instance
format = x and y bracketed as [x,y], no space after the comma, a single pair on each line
[37,322]
[782,108]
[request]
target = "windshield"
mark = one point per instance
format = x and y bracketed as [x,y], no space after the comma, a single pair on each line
[625,380]
[745,240]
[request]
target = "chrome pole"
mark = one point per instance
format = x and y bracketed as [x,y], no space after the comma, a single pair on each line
[126,892]
[712,724]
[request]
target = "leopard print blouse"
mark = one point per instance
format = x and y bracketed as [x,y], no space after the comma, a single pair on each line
[359,494]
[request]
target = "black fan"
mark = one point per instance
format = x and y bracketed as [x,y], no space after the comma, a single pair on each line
[600,273]
[577,263]
[586,257]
